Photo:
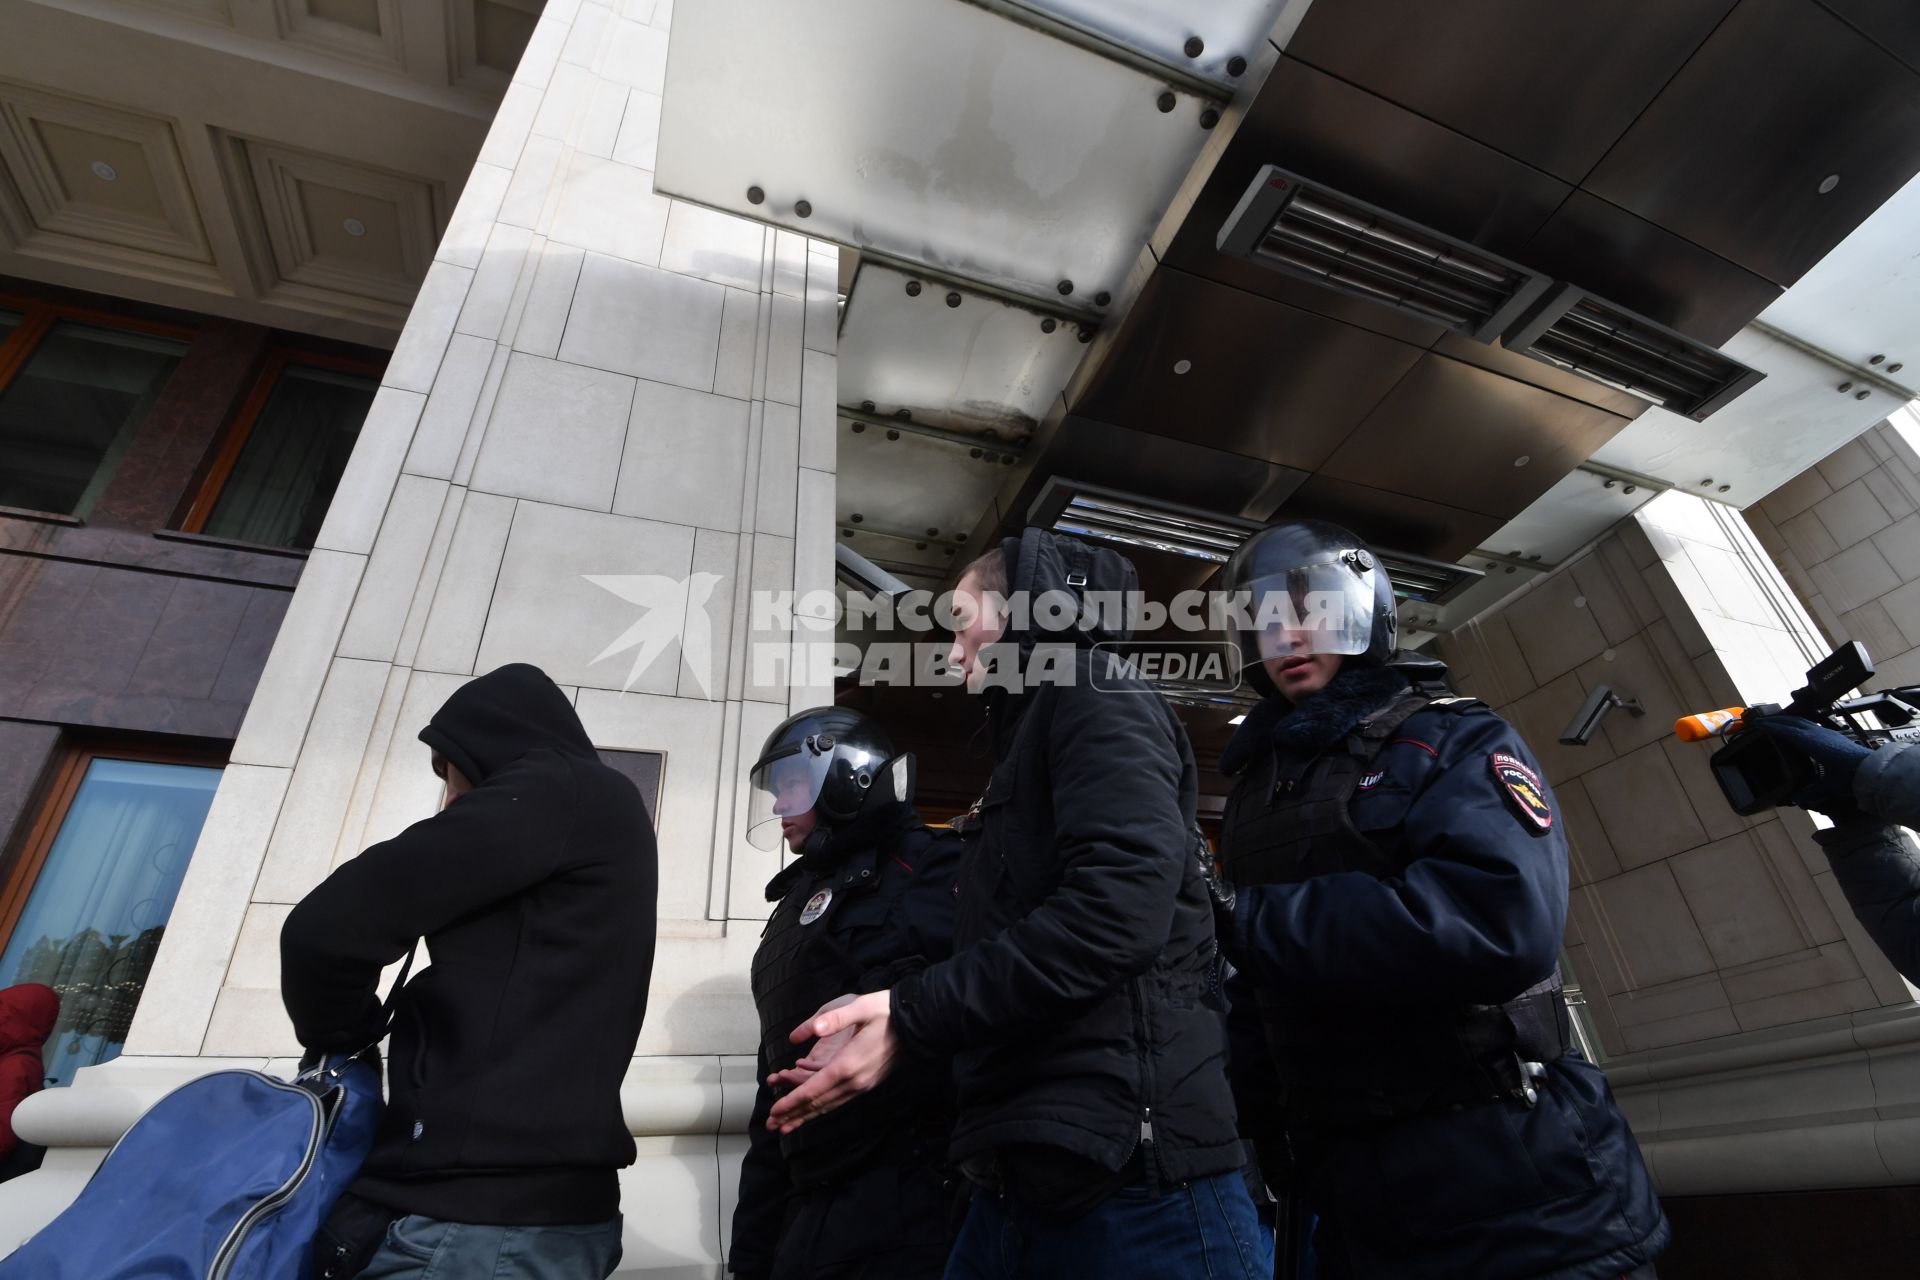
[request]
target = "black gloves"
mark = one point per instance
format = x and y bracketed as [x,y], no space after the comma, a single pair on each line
[1219,889]
[1837,755]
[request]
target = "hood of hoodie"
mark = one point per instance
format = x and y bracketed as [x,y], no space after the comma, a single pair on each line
[1040,561]
[27,1015]
[494,719]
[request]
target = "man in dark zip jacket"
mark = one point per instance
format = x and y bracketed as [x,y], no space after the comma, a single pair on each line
[1398,902]
[863,1194]
[1095,1120]
[534,888]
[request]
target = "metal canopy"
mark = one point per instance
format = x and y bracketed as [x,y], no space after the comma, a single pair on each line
[935,131]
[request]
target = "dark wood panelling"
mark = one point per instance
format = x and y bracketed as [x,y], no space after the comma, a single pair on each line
[1628,260]
[1391,519]
[185,419]
[1731,155]
[1267,380]
[1550,83]
[1894,25]
[1453,433]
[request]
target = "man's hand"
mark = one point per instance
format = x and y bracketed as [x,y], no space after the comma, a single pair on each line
[1837,756]
[1220,890]
[854,1050]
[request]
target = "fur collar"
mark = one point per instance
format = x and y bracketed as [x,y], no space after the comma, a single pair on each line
[1351,696]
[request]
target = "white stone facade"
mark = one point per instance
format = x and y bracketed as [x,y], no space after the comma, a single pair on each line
[595,383]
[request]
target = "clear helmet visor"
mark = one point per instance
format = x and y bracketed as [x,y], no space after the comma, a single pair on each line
[1315,608]
[785,786]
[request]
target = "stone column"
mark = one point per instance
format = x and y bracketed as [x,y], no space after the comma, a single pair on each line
[1756,1037]
[610,416]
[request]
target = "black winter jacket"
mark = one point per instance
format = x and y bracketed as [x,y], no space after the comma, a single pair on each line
[1075,1005]
[1876,863]
[535,892]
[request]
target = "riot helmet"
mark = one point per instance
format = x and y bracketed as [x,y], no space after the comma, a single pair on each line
[1310,587]
[833,761]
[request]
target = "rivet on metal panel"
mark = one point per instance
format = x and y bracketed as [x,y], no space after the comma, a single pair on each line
[846,533]
[893,435]
[1895,367]
[1608,484]
[913,288]
[933,533]
[1726,488]
[1236,65]
[1861,395]
[1706,482]
[919,546]
[1102,298]
[1195,46]
[755,195]
[1086,333]
[953,299]
[857,518]
[1876,360]
[859,427]
[1049,325]
[866,406]
[1167,102]
[1006,459]
[1210,117]
[803,209]
[1630,488]
[1065,287]
[1844,387]
[905,415]
[973,453]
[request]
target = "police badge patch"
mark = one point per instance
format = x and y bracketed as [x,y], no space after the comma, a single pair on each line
[1524,790]
[816,906]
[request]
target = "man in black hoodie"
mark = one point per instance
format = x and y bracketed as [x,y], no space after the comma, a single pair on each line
[534,887]
[1095,1118]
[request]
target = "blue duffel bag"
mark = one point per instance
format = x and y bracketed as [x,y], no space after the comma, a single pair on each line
[226,1178]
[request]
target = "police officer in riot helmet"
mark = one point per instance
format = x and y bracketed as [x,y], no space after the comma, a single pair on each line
[869,900]
[1393,901]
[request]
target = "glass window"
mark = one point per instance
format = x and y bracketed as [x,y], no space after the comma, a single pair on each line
[286,473]
[71,411]
[94,917]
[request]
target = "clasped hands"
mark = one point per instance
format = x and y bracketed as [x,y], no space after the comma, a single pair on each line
[853,1050]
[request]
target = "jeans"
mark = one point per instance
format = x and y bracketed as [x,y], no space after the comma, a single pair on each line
[419,1248]
[1200,1230]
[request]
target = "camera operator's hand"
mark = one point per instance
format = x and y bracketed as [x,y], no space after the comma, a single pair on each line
[1838,756]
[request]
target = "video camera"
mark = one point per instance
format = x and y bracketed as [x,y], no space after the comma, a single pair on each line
[1756,772]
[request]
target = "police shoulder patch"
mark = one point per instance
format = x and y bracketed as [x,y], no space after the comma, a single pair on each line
[816,906]
[1524,791]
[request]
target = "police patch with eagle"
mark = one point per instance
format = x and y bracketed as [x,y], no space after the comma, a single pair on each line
[1525,793]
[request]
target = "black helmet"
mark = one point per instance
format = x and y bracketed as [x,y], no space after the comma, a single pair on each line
[835,762]
[1318,584]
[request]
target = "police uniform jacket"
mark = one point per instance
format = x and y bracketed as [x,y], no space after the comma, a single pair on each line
[1402,875]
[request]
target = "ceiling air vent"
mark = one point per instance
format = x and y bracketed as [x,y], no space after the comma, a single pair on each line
[1107,515]
[1301,229]
[1611,345]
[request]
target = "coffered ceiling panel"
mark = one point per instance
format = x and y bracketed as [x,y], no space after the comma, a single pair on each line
[366,31]
[1471,438]
[1200,361]
[1785,131]
[487,38]
[94,184]
[318,227]
[1549,83]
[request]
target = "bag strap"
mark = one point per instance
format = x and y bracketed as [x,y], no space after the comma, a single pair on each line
[333,1066]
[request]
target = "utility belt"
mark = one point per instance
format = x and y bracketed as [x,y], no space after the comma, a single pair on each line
[1496,1053]
[1050,1179]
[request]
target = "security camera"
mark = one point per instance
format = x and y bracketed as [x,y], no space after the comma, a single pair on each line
[1586,721]
[863,574]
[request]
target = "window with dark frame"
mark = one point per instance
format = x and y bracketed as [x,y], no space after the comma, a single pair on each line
[277,467]
[74,387]
[86,895]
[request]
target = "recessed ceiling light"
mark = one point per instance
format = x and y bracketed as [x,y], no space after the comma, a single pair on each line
[353,227]
[104,171]
[1522,460]
[1181,366]
[1829,182]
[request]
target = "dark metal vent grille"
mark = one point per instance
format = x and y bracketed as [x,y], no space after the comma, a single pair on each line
[1291,225]
[1612,346]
